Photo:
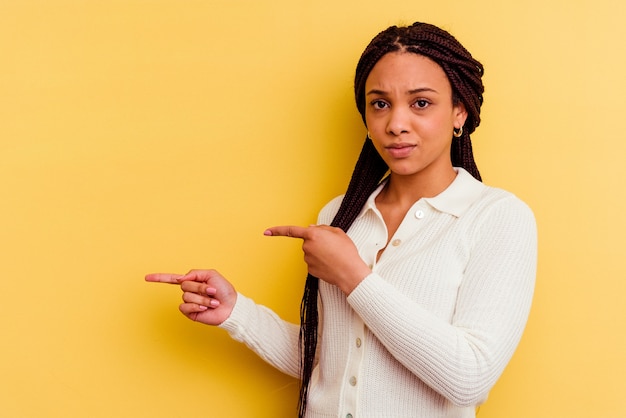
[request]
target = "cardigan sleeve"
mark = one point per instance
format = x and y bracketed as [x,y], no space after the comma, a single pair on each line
[463,359]
[264,332]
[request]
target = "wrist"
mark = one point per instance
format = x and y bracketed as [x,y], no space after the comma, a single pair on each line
[355,278]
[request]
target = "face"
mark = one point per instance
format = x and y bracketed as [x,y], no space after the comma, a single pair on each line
[410,115]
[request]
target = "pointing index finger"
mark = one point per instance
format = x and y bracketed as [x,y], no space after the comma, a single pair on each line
[163,278]
[286,231]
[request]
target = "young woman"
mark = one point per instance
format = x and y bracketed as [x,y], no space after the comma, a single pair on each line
[420,277]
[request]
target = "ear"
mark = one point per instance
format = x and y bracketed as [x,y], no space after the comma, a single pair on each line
[459,114]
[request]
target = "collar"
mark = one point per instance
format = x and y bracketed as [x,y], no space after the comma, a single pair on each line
[459,195]
[454,200]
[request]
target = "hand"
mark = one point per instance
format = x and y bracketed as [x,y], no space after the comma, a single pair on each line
[207,296]
[329,253]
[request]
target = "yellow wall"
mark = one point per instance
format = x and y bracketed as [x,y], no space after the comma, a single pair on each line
[163,135]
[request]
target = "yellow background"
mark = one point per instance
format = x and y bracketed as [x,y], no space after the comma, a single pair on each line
[161,135]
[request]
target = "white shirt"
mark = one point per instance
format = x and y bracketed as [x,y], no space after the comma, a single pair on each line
[430,330]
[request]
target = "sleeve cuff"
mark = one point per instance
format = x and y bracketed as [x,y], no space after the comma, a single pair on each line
[242,311]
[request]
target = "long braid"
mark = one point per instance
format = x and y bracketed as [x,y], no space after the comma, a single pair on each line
[464,74]
[366,176]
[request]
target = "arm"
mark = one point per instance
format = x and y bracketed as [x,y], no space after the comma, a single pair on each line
[210,299]
[272,338]
[463,359]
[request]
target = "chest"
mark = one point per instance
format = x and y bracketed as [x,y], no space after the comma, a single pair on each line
[423,252]
[392,217]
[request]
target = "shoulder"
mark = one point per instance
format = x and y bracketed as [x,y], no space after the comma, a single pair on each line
[500,210]
[500,200]
[469,199]
[329,211]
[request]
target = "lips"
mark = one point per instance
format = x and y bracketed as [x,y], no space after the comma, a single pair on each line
[401,150]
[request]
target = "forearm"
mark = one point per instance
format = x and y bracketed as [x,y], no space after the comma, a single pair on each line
[264,332]
[461,360]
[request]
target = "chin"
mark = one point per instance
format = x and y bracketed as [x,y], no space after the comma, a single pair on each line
[404,169]
[405,173]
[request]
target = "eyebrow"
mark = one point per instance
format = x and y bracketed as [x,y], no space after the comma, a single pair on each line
[414,91]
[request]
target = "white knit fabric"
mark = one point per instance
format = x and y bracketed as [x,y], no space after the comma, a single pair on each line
[430,331]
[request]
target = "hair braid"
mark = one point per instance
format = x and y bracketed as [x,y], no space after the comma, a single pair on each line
[465,76]
[369,170]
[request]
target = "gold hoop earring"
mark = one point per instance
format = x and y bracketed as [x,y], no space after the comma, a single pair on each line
[368,135]
[457,133]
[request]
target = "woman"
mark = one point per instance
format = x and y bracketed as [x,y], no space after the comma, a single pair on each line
[420,282]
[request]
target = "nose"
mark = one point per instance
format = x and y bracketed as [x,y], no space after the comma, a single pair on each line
[398,122]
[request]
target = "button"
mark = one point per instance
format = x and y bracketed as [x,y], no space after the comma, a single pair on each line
[371,266]
[353,381]
[358,342]
[419,214]
[396,242]
[349,416]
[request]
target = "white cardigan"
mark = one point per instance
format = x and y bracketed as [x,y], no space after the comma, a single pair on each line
[430,331]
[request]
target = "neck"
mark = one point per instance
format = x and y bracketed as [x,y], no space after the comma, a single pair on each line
[406,190]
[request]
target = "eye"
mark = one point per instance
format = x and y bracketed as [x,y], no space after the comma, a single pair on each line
[379,104]
[421,103]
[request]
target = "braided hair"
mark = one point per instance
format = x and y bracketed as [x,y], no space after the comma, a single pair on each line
[464,74]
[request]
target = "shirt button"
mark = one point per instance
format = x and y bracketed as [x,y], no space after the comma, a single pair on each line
[396,242]
[353,381]
[358,342]
[349,416]
[419,214]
